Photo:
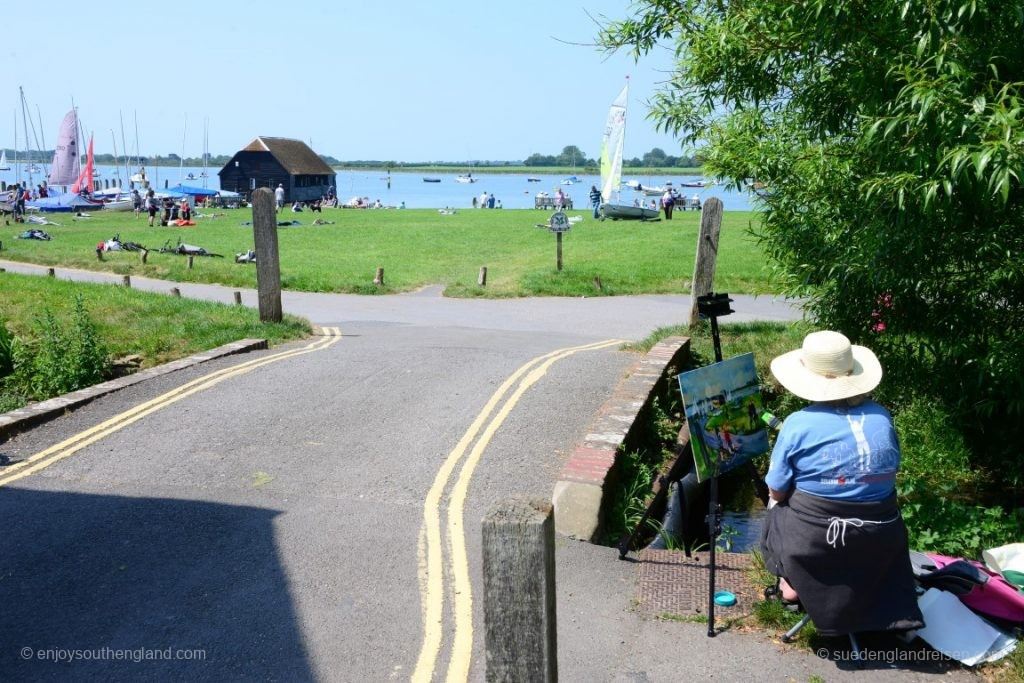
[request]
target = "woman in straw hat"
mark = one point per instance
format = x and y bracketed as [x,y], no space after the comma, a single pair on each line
[835,537]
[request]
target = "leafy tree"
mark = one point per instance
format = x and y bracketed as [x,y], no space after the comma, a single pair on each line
[570,156]
[885,141]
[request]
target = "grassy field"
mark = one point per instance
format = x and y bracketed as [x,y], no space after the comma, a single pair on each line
[418,247]
[159,327]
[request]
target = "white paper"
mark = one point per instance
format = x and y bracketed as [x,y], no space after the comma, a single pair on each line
[957,632]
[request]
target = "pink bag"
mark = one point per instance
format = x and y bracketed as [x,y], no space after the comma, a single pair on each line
[996,598]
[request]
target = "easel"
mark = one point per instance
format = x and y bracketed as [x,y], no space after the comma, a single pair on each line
[712,306]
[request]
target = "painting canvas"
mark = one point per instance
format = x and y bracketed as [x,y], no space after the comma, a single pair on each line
[723,402]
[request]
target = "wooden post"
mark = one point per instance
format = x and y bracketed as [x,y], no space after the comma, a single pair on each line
[190,261]
[481,279]
[127,280]
[268,266]
[99,253]
[238,298]
[558,250]
[50,272]
[378,279]
[519,591]
[1,246]
[597,282]
[144,254]
[175,291]
[707,254]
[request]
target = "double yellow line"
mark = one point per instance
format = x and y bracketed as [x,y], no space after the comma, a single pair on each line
[431,548]
[72,445]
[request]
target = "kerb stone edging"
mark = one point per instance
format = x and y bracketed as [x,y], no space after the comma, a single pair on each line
[46,410]
[585,478]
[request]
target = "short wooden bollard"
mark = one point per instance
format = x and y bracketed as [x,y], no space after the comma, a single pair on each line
[175,291]
[190,260]
[597,283]
[482,278]
[238,298]
[378,279]
[3,270]
[143,255]
[50,272]
[268,265]
[127,280]
[99,253]
[1,246]
[519,591]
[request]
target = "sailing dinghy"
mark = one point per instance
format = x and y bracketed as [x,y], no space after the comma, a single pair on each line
[611,165]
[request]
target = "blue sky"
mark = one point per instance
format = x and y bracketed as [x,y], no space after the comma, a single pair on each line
[407,81]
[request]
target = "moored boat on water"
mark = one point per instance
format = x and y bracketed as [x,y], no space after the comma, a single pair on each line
[611,165]
[431,180]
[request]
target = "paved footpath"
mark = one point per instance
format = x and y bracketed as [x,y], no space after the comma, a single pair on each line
[284,537]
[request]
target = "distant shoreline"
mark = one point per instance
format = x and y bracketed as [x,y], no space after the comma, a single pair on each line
[526,170]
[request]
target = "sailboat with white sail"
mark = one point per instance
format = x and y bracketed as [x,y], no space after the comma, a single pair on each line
[612,146]
[4,166]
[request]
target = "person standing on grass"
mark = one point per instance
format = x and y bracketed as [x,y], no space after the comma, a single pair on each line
[595,199]
[186,210]
[279,197]
[151,205]
[668,202]
[136,202]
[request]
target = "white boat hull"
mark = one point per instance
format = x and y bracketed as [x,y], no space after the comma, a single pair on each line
[624,212]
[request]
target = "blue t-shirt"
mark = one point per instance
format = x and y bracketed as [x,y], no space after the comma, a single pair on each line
[850,453]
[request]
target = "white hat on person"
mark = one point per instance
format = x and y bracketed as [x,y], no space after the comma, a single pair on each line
[828,368]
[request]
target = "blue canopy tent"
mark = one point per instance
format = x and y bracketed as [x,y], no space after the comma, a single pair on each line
[192,191]
[64,202]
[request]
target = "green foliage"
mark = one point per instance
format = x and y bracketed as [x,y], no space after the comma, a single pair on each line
[61,357]
[630,498]
[6,350]
[885,141]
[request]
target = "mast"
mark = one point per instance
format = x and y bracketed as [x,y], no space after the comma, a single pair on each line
[24,123]
[181,159]
[17,162]
[124,146]
[117,161]
[42,135]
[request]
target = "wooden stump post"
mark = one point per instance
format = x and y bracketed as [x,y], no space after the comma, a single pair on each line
[519,591]
[99,253]
[190,261]
[143,255]
[268,266]
[482,277]
[127,280]
[175,291]
[707,254]
[597,283]
[378,278]
[238,298]
[50,272]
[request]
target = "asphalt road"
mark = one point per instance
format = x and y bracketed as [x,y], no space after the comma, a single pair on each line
[271,525]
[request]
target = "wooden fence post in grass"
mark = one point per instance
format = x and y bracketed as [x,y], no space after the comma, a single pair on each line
[268,265]
[50,272]
[481,279]
[190,260]
[519,591]
[378,279]
[238,298]
[127,280]
[143,255]
[175,291]
[597,282]
[707,254]
[99,253]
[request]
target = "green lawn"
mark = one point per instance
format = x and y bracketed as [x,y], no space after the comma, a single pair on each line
[418,247]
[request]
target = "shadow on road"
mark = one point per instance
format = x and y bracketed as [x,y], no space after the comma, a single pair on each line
[129,581]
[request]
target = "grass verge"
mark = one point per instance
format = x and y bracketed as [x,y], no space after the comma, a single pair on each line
[157,327]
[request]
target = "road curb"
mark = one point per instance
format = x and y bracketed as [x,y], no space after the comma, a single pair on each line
[42,411]
[587,477]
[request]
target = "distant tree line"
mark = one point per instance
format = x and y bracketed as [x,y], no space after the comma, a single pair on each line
[572,156]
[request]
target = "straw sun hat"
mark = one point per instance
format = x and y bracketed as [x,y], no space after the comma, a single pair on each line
[828,368]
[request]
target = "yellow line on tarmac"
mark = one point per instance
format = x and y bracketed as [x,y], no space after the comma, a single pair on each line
[73,444]
[431,567]
[462,646]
